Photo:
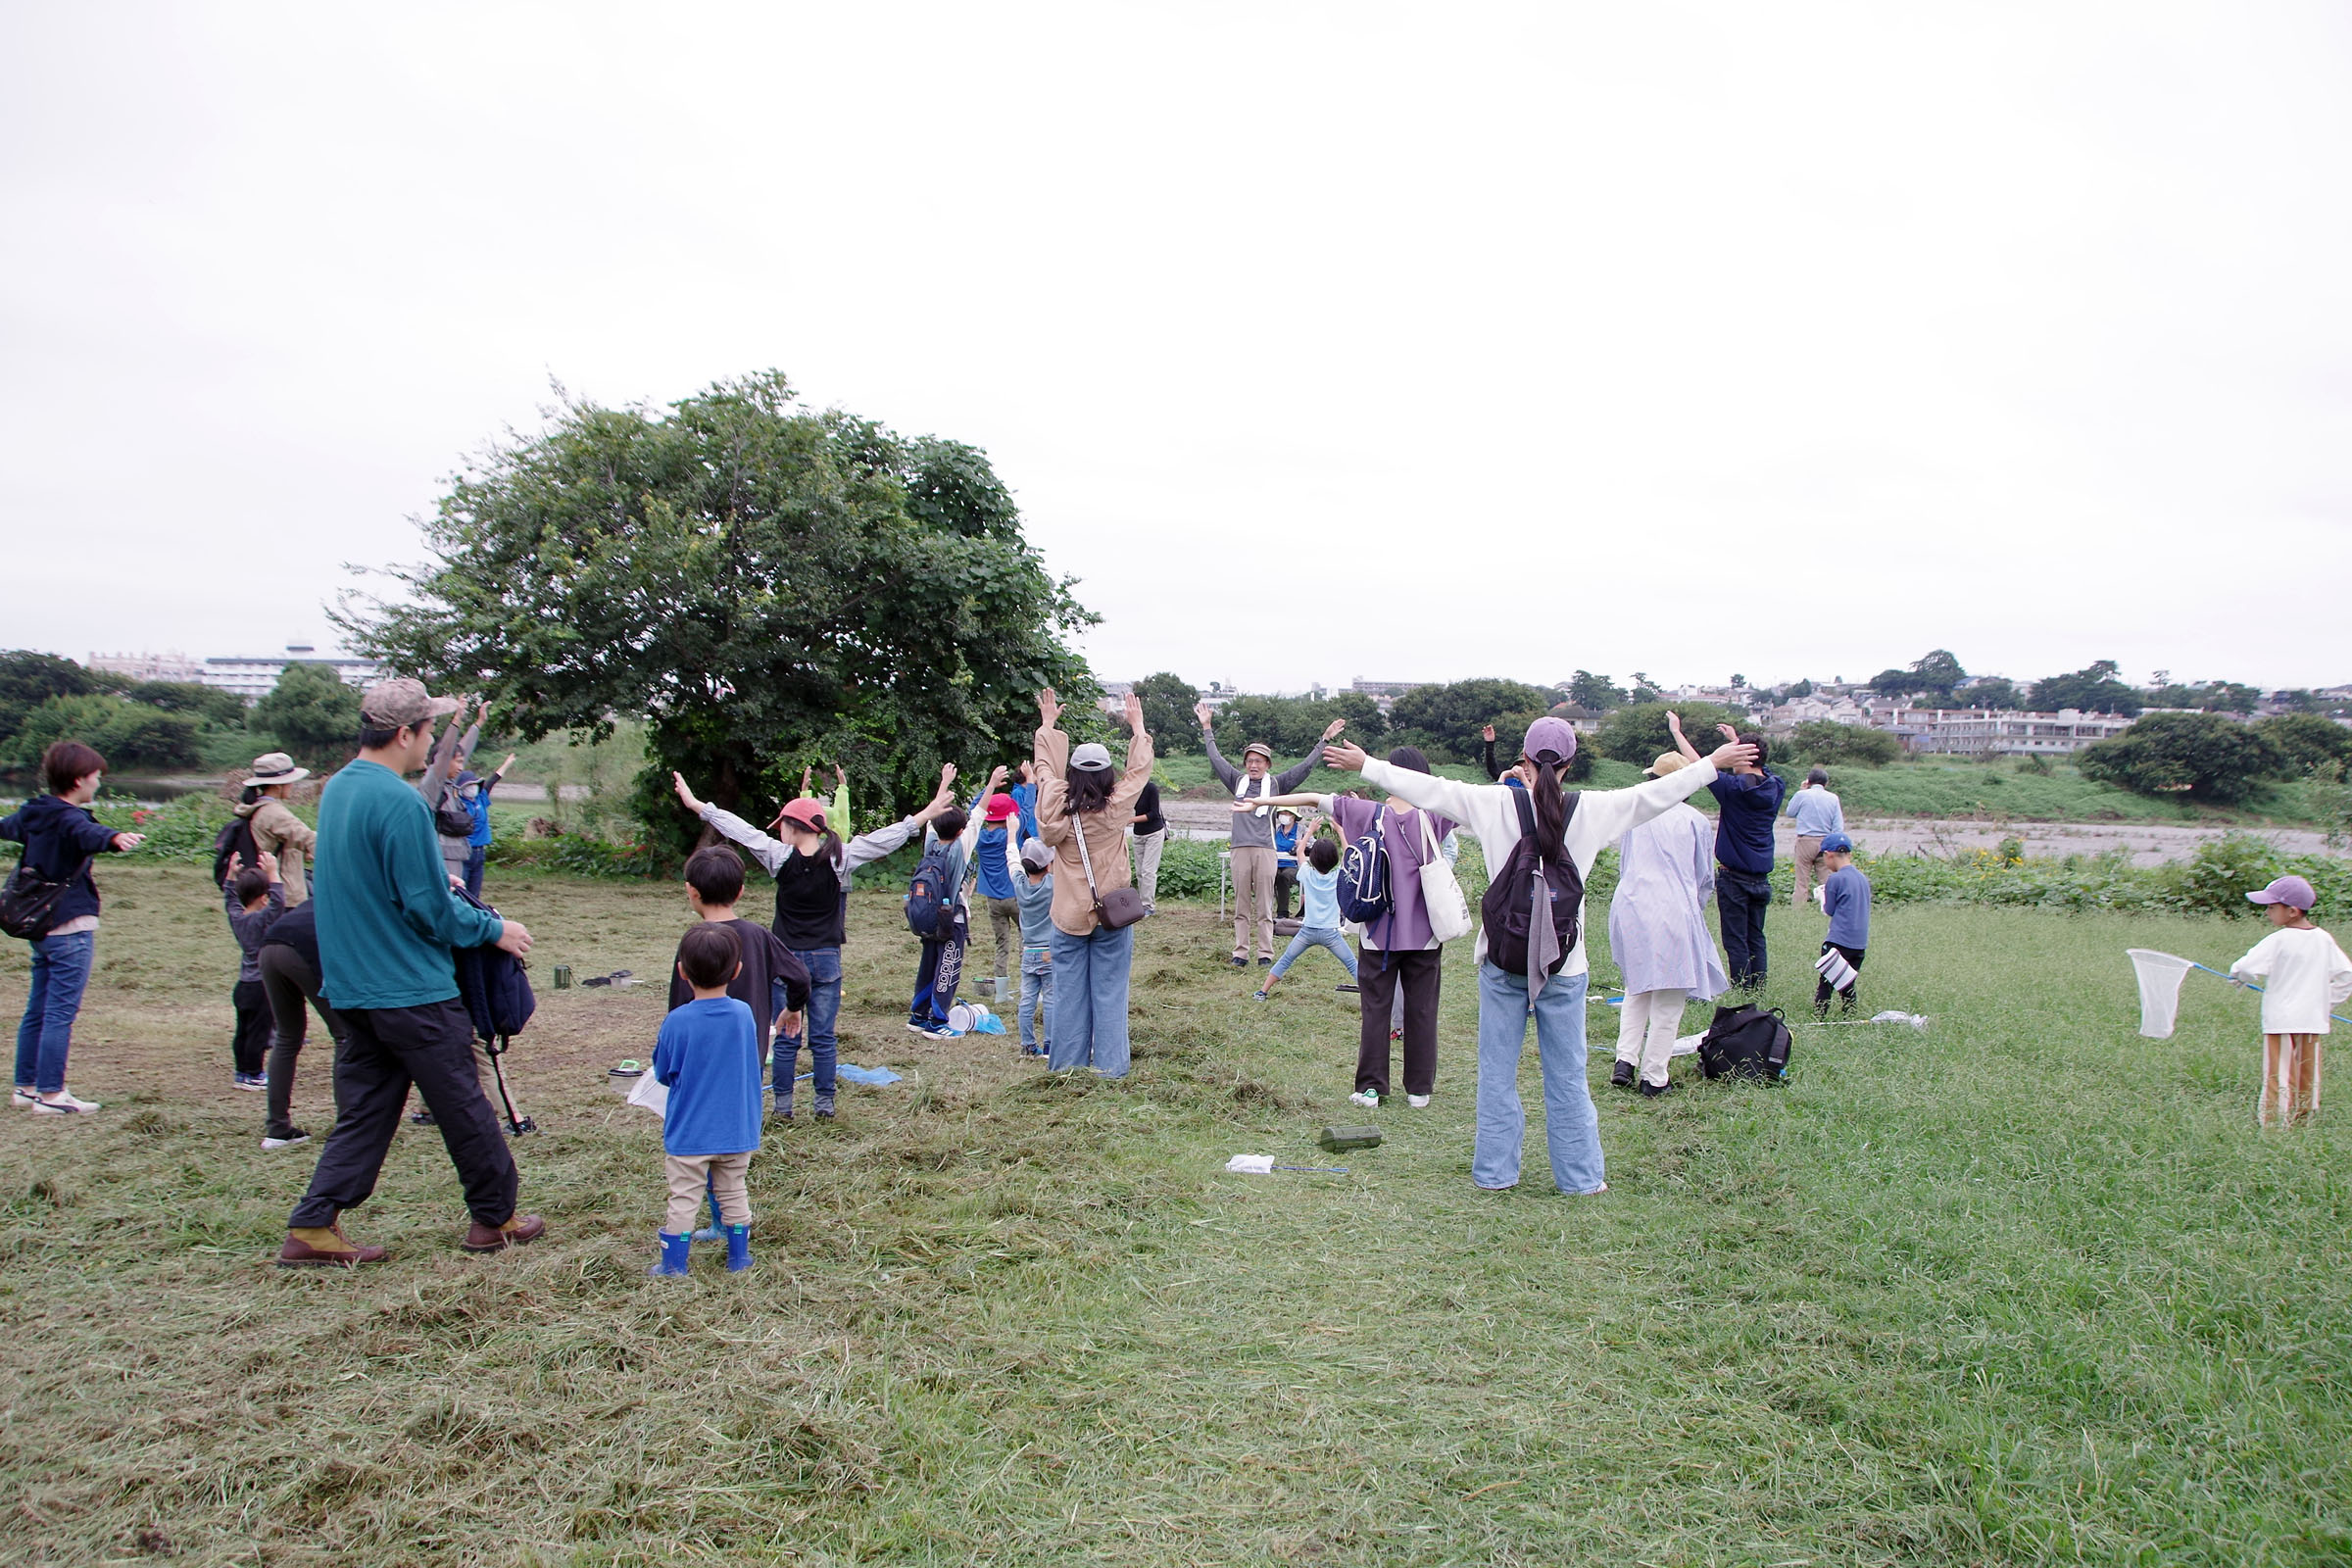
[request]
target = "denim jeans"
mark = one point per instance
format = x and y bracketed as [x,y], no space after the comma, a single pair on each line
[61,970]
[1571,1126]
[475,855]
[1036,991]
[824,1009]
[1325,937]
[1090,1000]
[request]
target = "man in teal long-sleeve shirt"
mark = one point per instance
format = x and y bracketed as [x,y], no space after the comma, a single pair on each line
[387,923]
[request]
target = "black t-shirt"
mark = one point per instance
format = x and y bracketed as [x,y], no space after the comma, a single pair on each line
[1147,806]
[812,905]
[765,960]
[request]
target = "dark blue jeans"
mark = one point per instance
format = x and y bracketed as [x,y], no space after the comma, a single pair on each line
[474,858]
[61,971]
[824,1009]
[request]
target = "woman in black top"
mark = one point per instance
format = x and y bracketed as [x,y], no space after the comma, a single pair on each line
[1151,837]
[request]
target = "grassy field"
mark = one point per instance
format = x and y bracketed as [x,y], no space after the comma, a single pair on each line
[2020,1289]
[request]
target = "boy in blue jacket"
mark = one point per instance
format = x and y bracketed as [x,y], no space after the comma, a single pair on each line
[707,1056]
[1845,897]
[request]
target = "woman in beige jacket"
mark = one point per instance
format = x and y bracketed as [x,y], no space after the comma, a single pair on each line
[1078,794]
[276,830]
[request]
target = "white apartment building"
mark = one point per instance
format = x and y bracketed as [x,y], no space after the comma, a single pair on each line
[1996,732]
[175,666]
[253,678]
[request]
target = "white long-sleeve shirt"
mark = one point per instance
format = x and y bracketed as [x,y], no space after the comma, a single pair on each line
[2305,975]
[1486,811]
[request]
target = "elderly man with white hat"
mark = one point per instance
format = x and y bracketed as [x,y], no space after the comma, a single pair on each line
[1254,856]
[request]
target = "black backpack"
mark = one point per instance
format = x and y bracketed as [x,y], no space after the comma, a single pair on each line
[1509,906]
[28,901]
[1748,1042]
[451,819]
[930,902]
[496,988]
[234,844]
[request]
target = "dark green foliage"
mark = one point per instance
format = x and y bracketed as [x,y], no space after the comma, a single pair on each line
[210,703]
[1803,688]
[1595,691]
[2307,740]
[2095,690]
[1932,674]
[314,713]
[1996,691]
[768,587]
[2301,699]
[1293,725]
[129,735]
[2203,755]
[1824,741]
[1168,701]
[1637,734]
[1445,721]
[29,680]
[2214,696]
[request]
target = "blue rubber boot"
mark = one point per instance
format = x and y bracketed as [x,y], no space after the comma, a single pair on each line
[709,1232]
[676,1249]
[739,1249]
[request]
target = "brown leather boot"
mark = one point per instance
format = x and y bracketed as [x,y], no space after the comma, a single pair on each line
[311,1247]
[515,1232]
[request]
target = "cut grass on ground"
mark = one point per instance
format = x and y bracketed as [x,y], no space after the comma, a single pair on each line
[2023,1288]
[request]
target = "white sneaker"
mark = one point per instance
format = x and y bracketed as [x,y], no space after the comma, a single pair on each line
[25,1096]
[65,1104]
[943,1032]
[1366,1099]
[1417,1102]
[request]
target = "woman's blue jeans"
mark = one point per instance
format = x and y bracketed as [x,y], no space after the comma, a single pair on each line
[824,1011]
[1571,1126]
[61,971]
[1090,1000]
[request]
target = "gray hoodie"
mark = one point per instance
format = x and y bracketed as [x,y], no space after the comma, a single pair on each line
[1254,830]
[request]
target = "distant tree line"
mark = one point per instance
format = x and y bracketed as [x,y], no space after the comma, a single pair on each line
[136,724]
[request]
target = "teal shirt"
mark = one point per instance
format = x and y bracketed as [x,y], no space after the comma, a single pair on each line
[387,919]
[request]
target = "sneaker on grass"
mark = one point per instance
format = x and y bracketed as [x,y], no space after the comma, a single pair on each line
[943,1032]
[62,1103]
[25,1095]
[284,1138]
[1417,1102]
[1366,1098]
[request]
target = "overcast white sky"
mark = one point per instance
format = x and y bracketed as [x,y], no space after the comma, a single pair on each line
[1318,342]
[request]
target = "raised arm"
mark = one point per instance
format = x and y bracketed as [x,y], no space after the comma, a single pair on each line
[1138,773]
[1227,774]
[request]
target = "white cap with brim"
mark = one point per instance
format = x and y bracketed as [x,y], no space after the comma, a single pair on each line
[1092,757]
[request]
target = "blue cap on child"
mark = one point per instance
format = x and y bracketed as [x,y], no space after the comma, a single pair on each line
[1836,844]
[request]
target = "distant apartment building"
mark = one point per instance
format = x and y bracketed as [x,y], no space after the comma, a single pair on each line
[148,667]
[253,678]
[1995,732]
[1384,693]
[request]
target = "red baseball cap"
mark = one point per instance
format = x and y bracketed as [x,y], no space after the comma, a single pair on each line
[808,811]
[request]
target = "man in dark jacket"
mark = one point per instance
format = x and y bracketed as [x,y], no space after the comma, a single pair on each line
[1748,799]
[61,837]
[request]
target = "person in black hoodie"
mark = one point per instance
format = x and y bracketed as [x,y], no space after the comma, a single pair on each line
[61,837]
[811,865]
[288,961]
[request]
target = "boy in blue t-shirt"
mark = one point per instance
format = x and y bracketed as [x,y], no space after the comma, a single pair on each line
[707,1056]
[1035,890]
[1845,898]
[1318,915]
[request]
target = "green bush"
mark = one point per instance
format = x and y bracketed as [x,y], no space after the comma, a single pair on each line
[130,735]
[2307,740]
[314,713]
[1638,734]
[1825,743]
[2203,755]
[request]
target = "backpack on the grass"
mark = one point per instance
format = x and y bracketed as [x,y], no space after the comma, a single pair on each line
[930,901]
[1746,1040]
[234,844]
[1509,906]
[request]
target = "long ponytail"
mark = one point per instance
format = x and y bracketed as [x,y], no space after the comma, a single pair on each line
[1552,812]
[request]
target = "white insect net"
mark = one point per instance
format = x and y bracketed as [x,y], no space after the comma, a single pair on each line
[2160,976]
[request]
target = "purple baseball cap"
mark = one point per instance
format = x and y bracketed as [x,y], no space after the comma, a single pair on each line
[1548,734]
[2291,891]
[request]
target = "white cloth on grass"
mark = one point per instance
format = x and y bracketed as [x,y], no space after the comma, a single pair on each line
[2160,976]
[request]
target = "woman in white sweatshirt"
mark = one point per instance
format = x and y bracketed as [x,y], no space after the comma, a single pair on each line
[1572,828]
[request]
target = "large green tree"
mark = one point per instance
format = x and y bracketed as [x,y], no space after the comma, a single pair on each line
[1638,733]
[2306,740]
[1595,691]
[312,713]
[29,680]
[1168,701]
[2203,755]
[1932,674]
[1293,725]
[2095,690]
[1445,721]
[768,586]
[129,735]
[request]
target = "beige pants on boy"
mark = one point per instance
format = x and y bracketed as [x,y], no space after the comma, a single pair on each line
[2290,1079]
[723,1174]
[1645,1026]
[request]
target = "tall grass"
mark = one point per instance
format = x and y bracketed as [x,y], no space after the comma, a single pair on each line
[2023,1287]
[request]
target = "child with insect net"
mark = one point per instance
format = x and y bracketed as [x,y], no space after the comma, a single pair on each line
[2307,977]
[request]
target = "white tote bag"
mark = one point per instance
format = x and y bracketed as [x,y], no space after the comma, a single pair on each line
[1440,894]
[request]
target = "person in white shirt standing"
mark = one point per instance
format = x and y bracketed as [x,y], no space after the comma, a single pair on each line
[1818,815]
[1566,828]
[2307,977]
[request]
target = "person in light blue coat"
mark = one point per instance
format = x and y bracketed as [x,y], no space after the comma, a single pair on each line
[1659,934]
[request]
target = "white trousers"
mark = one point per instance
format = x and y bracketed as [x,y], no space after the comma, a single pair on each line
[1645,1026]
